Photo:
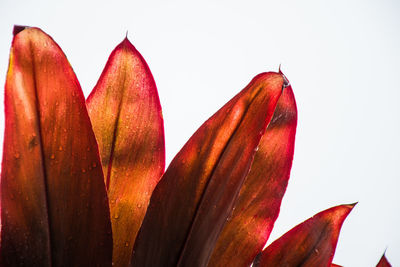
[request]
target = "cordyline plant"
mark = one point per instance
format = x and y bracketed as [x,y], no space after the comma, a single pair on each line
[83,182]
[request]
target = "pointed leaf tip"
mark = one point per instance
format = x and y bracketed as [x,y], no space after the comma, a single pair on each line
[126,41]
[352,205]
[383,262]
[18,28]
[311,243]
[286,82]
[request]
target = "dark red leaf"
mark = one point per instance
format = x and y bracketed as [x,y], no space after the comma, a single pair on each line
[311,243]
[54,203]
[191,203]
[383,262]
[257,207]
[126,115]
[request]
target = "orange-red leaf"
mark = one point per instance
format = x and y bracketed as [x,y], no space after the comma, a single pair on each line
[54,203]
[126,115]
[383,262]
[336,265]
[257,207]
[311,243]
[196,195]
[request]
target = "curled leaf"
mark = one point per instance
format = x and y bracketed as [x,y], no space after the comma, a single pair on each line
[126,115]
[247,230]
[311,243]
[196,195]
[54,203]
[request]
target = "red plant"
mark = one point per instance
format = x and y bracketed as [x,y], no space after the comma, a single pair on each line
[383,262]
[78,177]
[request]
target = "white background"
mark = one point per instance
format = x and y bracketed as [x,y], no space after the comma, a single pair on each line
[342,58]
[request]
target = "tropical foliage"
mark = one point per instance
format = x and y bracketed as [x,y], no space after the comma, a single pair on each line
[83,181]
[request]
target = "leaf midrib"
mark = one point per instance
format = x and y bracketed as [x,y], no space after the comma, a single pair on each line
[116,126]
[44,170]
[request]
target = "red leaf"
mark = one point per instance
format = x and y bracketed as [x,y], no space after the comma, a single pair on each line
[196,195]
[257,207]
[126,114]
[311,243]
[383,262]
[54,204]
[336,265]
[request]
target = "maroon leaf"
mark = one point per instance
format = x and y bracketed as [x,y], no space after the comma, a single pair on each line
[383,262]
[126,115]
[191,203]
[311,243]
[257,207]
[54,203]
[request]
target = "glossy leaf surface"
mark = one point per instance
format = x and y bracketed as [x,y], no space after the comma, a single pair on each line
[311,243]
[54,203]
[196,194]
[257,207]
[383,262]
[126,115]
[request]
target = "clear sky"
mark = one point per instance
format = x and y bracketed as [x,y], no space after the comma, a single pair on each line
[342,58]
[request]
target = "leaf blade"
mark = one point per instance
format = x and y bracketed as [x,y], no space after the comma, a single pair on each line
[383,262]
[54,204]
[257,206]
[311,243]
[173,229]
[126,115]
